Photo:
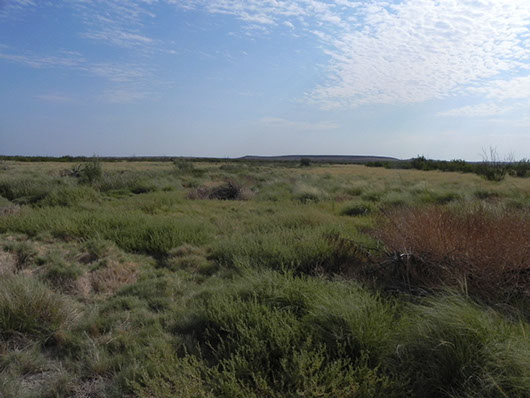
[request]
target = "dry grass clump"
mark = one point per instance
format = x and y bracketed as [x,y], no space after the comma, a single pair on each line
[10,209]
[230,190]
[29,308]
[484,251]
[8,263]
[112,277]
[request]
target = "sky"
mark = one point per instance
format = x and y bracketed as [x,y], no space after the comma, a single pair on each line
[445,79]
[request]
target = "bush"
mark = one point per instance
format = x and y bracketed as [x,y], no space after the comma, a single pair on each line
[274,335]
[520,168]
[91,172]
[484,252]
[303,251]
[230,190]
[68,196]
[183,165]
[305,162]
[29,308]
[492,168]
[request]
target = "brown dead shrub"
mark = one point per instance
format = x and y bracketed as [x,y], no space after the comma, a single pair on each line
[229,190]
[485,252]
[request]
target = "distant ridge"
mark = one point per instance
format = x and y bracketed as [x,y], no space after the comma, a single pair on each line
[323,158]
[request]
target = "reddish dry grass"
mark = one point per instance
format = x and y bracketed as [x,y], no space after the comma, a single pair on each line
[485,252]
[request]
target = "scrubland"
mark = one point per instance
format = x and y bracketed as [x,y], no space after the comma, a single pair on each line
[192,279]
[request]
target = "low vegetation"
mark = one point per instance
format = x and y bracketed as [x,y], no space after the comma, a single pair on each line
[253,279]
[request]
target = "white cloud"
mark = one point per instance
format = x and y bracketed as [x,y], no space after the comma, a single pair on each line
[399,53]
[380,52]
[514,88]
[479,110]
[8,8]
[42,61]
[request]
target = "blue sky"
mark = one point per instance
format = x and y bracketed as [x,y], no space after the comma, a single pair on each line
[442,78]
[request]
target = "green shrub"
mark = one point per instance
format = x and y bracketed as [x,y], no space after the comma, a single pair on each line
[190,258]
[69,196]
[166,375]
[62,274]
[304,250]
[183,165]
[520,168]
[485,194]
[441,198]
[25,190]
[305,162]
[132,231]
[262,339]
[91,172]
[29,308]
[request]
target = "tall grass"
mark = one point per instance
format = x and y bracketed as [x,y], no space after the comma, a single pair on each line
[30,309]
[132,231]
[451,347]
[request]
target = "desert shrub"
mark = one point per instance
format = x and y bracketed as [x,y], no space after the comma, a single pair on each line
[306,194]
[230,190]
[492,167]
[96,249]
[520,168]
[485,194]
[132,231]
[29,308]
[372,196]
[157,291]
[119,182]
[169,376]
[302,250]
[183,165]
[61,273]
[69,196]
[191,258]
[440,198]
[91,172]
[357,209]
[307,197]
[452,347]
[261,338]
[483,251]
[305,162]
[26,190]
[24,252]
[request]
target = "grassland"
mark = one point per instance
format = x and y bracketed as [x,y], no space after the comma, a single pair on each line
[161,279]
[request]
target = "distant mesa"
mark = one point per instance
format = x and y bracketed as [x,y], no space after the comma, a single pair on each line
[323,158]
